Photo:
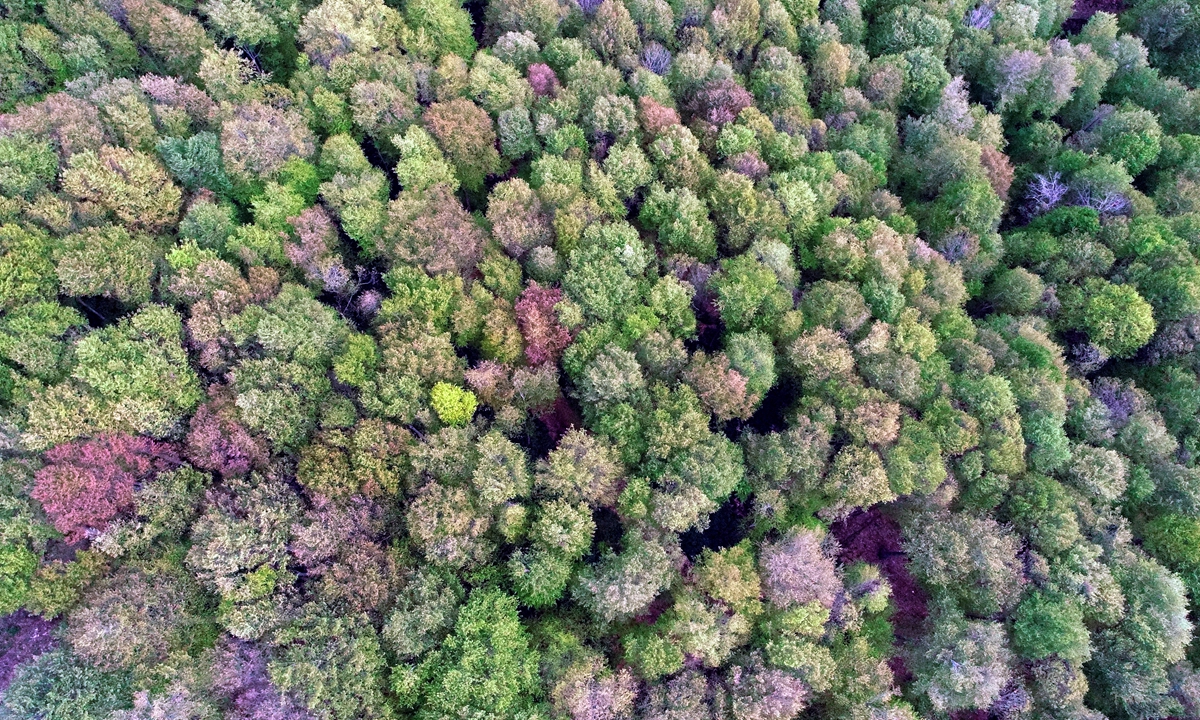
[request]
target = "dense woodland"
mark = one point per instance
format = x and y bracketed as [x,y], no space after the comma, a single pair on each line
[599,360]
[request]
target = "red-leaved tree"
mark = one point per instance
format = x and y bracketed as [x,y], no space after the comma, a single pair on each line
[217,441]
[545,337]
[87,483]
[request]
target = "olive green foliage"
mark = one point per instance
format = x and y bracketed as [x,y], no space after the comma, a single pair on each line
[131,377]
[599,359]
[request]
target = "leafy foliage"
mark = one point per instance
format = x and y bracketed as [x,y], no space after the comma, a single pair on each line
[601,359]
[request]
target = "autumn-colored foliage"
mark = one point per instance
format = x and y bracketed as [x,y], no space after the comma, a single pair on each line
[87,483]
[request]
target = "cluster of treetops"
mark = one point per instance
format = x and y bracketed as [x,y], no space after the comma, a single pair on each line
[656,359]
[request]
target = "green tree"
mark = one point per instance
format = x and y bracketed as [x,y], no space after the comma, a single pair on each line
[129,377]
[56,685]
[1115,317]
[960,663]
[126,184]
[1045,624]
[486,665]
[333,665]
[26,267]
[439,26]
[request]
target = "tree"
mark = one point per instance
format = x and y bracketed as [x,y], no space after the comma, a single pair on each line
[749,294]
[132,622]
[430,228]
[905,27]
[681,220]
[26,268]
[497,86]
[240,678]
[581,467]
[453,405]
[621,586]
[422,164]
[1043,511]
[195,161]
[280,400]
[971,560]
[173,39]
[17,564]
[176,701]
[367,459]
[125,184]
[1168,538]
[425,612]
[164,509]
[613,376]
[58,685]
[520,221]
[132,376]
[295,327]
[485,665]
[605,270]
[258,139]
[723,391]
[107,261]
[218,442]
[334,666]
[857,478]
[315,252]
[796,571]
[363,26]
[1100,472]
[1115,317]
[1131,136]
[758,692]
[29,166]
[1155,632]
[445,25]
[588,689]
[356,192]
[545,337]
[1047,625]
[961,663]
[447,525]
[88,483]
[34,338]
[1016,291]
[239,550]
[686,695]
[465,132]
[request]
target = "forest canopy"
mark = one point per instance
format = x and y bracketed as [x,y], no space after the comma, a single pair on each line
[599,359]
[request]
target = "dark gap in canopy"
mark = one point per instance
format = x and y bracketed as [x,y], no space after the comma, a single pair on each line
[725,529]
[477,9]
